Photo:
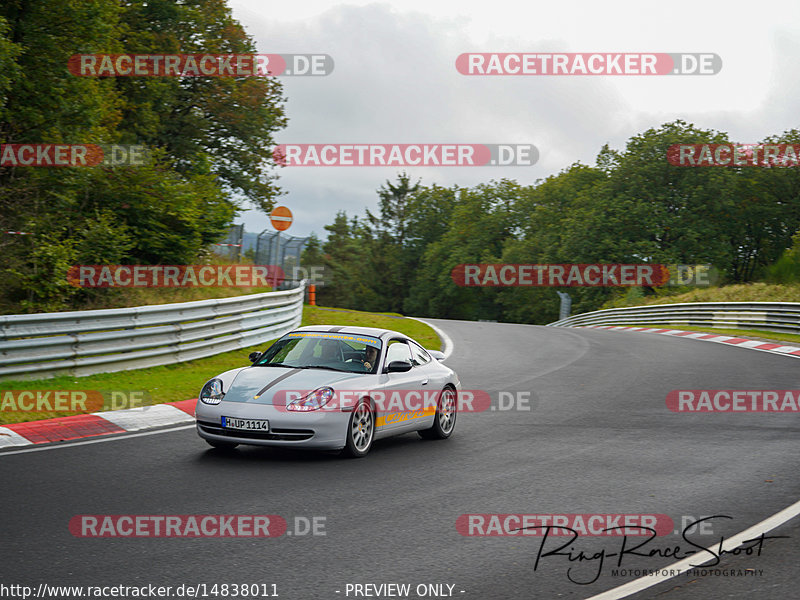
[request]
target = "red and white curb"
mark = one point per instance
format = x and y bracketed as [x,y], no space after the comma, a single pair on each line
[109,422]
[708,337]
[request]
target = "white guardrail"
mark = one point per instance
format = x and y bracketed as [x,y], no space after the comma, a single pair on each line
[85,342]
[783,317]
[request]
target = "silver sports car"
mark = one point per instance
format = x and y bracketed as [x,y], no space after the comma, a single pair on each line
[331,387]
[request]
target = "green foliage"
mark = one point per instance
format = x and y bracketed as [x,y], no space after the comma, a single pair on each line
[312,253]
[226,122]
[209,140]
[632,207]
[45,284]
[787,268]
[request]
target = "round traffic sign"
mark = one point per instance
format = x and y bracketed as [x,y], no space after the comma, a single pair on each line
[281,218]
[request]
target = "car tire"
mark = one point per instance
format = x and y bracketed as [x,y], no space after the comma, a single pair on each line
[360,430]
[222,445]
[444,421]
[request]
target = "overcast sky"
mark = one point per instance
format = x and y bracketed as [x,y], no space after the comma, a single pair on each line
[395,81]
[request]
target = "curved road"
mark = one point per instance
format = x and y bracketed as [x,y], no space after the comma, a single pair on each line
[599,439]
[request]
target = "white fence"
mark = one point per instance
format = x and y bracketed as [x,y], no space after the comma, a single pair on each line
[100,341]
[783,317]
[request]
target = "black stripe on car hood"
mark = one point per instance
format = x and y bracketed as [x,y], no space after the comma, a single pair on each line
[276,381]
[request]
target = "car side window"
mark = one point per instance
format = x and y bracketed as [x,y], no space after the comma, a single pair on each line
[418,355]
[398,350]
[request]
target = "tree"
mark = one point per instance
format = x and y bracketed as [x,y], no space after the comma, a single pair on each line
[553,213]
[481,220]
[210,138]
[387,262]
[219,125]
[633,206]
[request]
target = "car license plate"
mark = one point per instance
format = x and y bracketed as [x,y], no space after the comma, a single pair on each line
[245,424]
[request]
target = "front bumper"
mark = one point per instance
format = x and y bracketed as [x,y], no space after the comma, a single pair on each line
[323,430]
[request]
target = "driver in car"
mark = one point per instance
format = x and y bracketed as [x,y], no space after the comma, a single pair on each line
[370,356]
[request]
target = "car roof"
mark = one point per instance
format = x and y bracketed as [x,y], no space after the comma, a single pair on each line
[347,329]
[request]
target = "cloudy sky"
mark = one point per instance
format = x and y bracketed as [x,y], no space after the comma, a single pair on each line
[395,81]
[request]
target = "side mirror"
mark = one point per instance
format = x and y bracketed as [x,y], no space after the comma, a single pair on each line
[437,355]
[398,366]
[254,356]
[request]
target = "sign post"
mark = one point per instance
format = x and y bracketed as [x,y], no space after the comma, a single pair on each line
[566,305]
[281,219]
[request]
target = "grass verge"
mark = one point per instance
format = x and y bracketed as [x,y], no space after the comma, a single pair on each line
[171,383]
[743,292]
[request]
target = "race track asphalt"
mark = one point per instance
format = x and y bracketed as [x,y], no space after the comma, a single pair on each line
[598,439]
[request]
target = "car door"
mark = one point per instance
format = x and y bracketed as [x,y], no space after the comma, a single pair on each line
[395,414]
[433,377]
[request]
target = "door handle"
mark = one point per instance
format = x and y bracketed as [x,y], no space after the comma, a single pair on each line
[424,382]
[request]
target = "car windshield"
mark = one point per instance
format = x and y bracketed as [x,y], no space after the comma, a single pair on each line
[344,352]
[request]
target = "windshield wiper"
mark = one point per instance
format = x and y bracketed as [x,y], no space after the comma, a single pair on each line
[321,367]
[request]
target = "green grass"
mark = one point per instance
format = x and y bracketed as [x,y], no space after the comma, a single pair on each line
[747,333]
[180,381]
[745,292]
[317,315]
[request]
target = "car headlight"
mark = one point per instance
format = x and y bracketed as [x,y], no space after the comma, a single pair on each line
[313,401]
[212,392]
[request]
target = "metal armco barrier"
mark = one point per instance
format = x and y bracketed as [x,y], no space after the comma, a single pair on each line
[783,317]
[38,346]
